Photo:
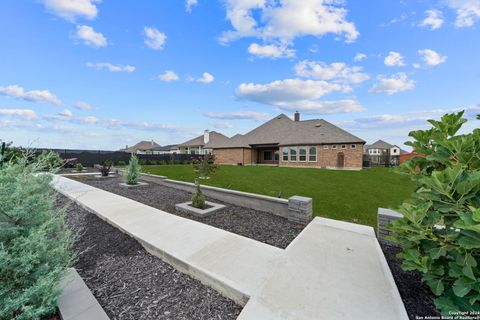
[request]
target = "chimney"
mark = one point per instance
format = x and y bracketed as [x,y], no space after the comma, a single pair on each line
[297,116]
[152,142]
[206,136]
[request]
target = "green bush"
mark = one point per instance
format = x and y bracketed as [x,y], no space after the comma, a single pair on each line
[51,160]
[79,167]
[440,231]
[151,162]
[121,163]
[162,162]
[133,171]
[142,162]
[34,241]
[198,199]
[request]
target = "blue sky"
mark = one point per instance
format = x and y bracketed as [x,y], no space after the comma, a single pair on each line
[105,74]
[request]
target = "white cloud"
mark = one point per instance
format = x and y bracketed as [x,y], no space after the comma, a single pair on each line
[26,114]
[82,105]
[89,120]
[111,67]
[271,51]
[433,19]
[71,9]
[90,37]
[189,4]
[206,78]
[394,59]
[468,12]
[168,76]
[287,19]
[432,58]
[393,84]
[297,94]
[221,125]
[155,39]
[239,115]
[360,57]
[66,114]
[337,72]
[18,92]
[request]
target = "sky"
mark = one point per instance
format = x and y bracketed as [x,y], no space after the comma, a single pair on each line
[103,74]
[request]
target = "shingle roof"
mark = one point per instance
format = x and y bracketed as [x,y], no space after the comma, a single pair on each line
[284,131]
[142,145]
[166,148]
[380,144]
[198,141]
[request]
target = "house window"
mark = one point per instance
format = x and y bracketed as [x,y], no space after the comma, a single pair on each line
[267,155]
[312,154]
[353,146]
[334,147]
[302,153]
[344,146]
[325,147]
[276,155]
[293,153]
[284,154]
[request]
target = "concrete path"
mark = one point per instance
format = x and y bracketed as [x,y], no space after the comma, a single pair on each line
[332,270]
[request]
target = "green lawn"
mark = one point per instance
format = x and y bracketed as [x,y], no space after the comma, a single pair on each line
[345,195]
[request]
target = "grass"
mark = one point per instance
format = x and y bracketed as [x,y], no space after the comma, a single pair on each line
[344,195]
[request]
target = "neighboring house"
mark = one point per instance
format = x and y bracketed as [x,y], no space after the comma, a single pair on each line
[382,152]
[197,145]
[170,149]
[143,147]
[286,142]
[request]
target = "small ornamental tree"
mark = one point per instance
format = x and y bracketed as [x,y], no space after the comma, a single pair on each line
[440,231]
[205,166]
[51,160]
[105,168]
[34,242]
[79,167]
[198,199]
[133,171]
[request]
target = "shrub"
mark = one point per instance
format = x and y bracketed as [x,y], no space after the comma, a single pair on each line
[34,242]
[105,168]
[133,171]
[205,166]
[121,163]
[198,199]
[79,167]
[162,162]
[142,162]
[151,162]
[440,231]
[51,160]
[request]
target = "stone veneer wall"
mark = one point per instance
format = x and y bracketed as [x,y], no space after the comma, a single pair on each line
[328,158]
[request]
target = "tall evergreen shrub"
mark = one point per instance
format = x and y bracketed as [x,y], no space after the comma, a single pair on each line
[34,242]
[133,171]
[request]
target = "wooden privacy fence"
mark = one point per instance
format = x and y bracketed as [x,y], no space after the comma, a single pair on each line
[90,157]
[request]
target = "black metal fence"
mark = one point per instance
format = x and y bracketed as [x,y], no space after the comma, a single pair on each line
[88,158]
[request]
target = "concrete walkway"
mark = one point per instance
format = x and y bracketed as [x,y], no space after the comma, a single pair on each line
[332,270]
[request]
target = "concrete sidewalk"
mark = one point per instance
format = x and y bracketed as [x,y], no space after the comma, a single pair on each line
[332,270]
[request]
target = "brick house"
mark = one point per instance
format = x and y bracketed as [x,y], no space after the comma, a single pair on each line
[292,143]
[197,145]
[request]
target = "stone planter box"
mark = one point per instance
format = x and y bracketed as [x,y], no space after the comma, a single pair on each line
[187,208]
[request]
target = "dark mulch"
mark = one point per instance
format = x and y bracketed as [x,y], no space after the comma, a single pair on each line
[129,283]
[254,224]
[417,297]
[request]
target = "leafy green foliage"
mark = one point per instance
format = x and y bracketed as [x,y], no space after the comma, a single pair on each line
[51,160]
[198,199]
[34,242]
[133,171]
[440,231]
[79,167]
[205,166]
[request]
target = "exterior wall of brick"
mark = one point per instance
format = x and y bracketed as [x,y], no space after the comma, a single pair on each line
[327,158]
[231,156]
[247,156]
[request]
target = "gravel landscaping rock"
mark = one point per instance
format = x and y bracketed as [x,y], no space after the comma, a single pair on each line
[129,283]
[257,225]
[417,297]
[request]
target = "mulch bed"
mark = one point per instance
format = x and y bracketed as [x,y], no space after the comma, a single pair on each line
[130,283]
[261,226]
[417,297]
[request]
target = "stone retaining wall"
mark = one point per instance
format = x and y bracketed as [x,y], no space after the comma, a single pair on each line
[384,217]
[298,209]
